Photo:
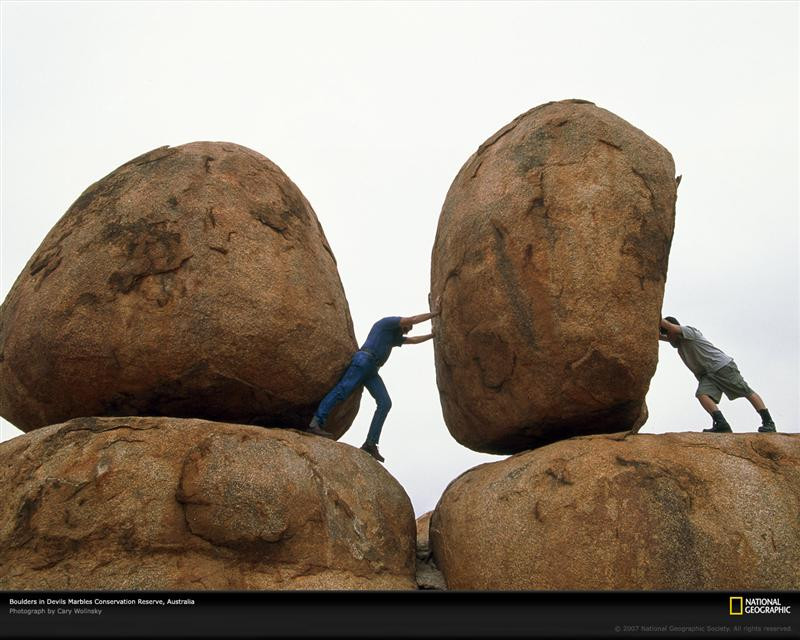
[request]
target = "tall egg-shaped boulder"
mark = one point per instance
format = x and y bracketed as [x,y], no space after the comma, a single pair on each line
[549,261]
[192,281]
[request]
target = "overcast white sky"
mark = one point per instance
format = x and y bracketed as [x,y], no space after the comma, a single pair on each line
[372,108]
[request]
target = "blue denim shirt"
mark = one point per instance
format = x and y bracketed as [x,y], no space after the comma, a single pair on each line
[385,334]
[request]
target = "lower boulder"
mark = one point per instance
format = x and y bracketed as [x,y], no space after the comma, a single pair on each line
[682,511]
[168,503]
[428,576]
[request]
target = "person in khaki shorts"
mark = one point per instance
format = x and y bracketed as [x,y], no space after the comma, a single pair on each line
[716,372]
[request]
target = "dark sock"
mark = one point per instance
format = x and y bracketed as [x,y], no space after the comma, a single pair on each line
[765,417]
[718,417]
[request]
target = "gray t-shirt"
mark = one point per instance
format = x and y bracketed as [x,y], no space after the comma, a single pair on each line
[699,354]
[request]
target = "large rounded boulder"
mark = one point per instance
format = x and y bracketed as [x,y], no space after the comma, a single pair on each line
[192,281]
[550,261]
[687,511]
[170,503]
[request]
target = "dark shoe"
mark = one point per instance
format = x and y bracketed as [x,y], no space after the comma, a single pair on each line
[372,449]
[769,427]
[719,427]
[315,428]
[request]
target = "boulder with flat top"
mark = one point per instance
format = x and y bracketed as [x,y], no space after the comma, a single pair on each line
[676,511]
[168,503]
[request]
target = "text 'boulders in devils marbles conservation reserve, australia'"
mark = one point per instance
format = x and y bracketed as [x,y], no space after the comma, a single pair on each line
[550,261]
[192,281]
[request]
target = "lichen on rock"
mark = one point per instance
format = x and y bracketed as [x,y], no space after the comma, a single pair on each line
[550,260]
[677,511]
[165,503]
[193,281]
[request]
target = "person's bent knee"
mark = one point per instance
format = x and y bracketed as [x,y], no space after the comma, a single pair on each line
[385,404]
[707,396]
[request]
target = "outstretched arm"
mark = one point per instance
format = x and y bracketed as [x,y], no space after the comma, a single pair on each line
[417,319]
[412,320]
[417,339]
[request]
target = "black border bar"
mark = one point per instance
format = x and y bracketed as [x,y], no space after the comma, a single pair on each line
[393,614]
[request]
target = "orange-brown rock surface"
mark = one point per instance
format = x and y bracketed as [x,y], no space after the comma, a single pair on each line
[672,511]
[428,575]
[550,260]
[423,532]
[192,281]
[169,503]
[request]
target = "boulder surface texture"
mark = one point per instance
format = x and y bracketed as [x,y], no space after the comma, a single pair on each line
[428,576]
[550,261]
[170,503]
[674,511]
[192,281]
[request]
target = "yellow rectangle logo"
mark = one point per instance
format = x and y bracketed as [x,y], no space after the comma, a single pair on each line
[737,605]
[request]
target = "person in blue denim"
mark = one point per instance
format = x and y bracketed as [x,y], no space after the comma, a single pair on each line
[385,334]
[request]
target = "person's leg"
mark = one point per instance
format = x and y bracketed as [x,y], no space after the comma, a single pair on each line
[767,424]
[756,401]
[730,380]
[708,404]
[377,390]
[709,394]
[348,383]
[719,422]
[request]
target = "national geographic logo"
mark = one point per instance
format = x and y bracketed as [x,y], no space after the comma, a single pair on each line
[739,606]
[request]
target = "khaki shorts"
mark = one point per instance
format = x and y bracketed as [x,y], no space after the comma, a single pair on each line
[727,380]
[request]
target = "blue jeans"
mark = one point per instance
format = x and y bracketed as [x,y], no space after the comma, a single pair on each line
[363,369]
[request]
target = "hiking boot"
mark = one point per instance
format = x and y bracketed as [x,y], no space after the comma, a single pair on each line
[767,427]
[315,428]
[719,427]
[372,449]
